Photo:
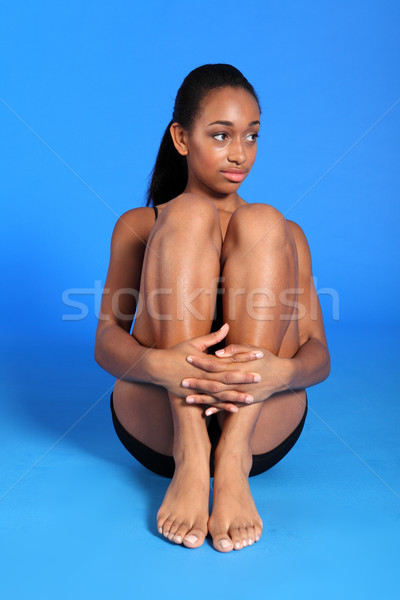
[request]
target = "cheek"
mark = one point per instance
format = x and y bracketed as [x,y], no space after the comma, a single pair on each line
[209,157]
[251,155]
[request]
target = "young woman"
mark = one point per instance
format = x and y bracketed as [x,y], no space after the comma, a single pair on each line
[196,258]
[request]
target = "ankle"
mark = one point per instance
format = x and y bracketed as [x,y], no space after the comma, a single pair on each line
[192,451]
[230,459]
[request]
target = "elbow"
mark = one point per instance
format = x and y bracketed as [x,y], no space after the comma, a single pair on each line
[327,365]
[99,353]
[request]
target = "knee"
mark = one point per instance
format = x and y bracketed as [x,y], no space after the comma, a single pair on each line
[192,212]
[260,222]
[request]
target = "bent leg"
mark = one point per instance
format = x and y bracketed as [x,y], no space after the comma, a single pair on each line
[259,258]
[178,291]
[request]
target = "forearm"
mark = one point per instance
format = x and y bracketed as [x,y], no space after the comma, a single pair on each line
[121,355]
[309,366]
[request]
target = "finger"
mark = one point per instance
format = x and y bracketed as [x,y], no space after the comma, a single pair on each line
[247,356]
[218,406]
[207,363]
[221,381]
[213,364]
[230,396]
[235,349]
[205,341]
[212,410]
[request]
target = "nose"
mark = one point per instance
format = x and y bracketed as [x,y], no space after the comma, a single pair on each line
[237,152]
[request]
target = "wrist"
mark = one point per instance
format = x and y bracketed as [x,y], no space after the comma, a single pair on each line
[286,374]
[151,366]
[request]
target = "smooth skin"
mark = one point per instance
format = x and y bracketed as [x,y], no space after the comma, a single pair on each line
[274,334]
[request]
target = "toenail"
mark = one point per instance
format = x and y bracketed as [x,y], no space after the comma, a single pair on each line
[192,539]
[237,546]
[225,543]
[251,542]
[160,530]
[257,538]
[178,539]
[245,543]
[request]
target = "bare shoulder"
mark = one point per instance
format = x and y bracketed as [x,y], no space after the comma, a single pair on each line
[297,231]
[134,225]
[303,249]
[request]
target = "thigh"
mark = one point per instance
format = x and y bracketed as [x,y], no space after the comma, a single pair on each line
[144,411]
[279,417]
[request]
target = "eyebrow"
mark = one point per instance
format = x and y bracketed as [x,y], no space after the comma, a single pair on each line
[230,124]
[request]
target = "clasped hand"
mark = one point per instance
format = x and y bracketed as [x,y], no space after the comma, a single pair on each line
[237,375]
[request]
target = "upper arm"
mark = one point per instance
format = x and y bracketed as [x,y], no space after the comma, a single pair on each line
[121,289]
[309,309]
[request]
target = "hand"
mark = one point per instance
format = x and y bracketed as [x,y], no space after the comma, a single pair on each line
[273,374]
[169,367]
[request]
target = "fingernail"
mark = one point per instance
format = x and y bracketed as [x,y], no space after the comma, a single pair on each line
[256,378]
[259,354]
[192,539]
[220,351]
[185,384]
[225,543]
[190,400]
[249,399]
[189,359]
[234,409]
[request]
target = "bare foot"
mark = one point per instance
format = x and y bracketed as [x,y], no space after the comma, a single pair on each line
[183,515]
[234,522]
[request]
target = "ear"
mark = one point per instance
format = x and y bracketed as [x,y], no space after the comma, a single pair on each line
[179,138]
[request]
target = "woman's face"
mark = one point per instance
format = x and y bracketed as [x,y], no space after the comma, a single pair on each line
[222,144]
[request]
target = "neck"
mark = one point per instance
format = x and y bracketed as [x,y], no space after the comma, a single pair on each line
[228,202]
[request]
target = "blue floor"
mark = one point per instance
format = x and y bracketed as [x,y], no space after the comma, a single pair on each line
[78,514]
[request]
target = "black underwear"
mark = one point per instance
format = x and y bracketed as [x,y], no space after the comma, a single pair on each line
[164,465]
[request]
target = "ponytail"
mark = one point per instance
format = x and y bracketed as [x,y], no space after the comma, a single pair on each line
[169,175]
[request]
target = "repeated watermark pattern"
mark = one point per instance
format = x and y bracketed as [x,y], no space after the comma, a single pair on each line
[258,303]
[67,295]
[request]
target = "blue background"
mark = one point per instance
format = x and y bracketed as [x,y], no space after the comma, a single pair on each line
[86,91]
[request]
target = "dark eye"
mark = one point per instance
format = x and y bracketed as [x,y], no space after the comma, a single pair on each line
[253,137]
[220,137]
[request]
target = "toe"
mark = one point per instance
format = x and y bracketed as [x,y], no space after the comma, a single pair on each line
[194,538]
[166,527]
[236,538]
[244,536]
[258,532]
[251,535]
[181,532]
[160,522]
[222,542]
[173,529]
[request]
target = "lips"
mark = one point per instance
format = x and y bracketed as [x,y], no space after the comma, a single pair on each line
[235,175]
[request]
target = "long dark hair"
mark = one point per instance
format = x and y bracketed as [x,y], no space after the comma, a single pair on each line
[169,175]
